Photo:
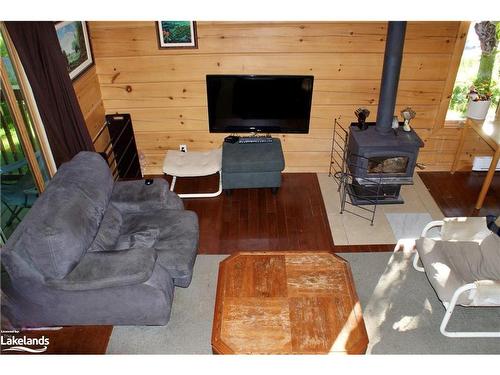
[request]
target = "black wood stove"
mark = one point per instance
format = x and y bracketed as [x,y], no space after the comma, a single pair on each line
[377,152]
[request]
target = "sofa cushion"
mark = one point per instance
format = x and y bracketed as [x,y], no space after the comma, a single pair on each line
[192,164]
[177,241]
[136,196]
[64,220]
[107,269]
[63,225]
[109,230]
[441,271]
[90,173]
[490,252]
[140,239]
[464,229]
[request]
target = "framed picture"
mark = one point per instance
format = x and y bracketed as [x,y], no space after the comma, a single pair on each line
[177,34]
[74,39]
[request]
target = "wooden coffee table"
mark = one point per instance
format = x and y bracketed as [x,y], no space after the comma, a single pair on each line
[287,302]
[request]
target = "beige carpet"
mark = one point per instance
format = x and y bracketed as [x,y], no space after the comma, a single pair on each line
[349,229]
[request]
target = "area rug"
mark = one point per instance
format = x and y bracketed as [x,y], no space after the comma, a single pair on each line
[401,311]
[190,327]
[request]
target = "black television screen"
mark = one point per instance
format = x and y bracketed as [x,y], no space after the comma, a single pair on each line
[259,103]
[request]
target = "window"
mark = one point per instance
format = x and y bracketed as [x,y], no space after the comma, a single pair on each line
[475,67]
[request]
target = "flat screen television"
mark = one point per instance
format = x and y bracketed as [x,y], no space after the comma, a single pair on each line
[259,103]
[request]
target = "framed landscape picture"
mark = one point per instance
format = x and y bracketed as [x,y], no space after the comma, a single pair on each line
[177,34]
[75,46]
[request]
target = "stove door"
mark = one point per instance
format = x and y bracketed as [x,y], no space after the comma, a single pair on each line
[388,165]
[384,166]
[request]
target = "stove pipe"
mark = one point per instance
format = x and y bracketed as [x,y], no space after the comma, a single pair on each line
[390,75]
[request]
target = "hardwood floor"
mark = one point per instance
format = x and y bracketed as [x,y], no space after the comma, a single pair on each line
[257,220]
[456,194]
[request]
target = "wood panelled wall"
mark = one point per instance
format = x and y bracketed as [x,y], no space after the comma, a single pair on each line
[164,90]
[88,92]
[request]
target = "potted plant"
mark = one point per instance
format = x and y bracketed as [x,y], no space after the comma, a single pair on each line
[479,100]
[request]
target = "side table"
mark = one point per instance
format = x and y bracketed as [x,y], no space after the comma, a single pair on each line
[490,132]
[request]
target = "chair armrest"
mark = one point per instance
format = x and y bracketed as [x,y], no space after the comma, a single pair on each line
[429,226]
[136,196]
[107,269]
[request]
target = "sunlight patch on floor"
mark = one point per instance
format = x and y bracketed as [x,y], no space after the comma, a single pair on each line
[383,297]
[409,323]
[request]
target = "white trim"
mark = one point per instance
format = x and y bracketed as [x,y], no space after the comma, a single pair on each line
[449,312]
[432,224]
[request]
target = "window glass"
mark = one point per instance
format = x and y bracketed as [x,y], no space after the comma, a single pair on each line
[474,66]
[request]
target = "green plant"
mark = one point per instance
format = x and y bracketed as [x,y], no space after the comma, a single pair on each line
[458,101]
[460,95]
[481,90]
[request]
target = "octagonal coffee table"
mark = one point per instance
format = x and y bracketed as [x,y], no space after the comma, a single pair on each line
[287,303]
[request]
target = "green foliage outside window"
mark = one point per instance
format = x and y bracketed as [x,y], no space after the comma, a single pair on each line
[479,69]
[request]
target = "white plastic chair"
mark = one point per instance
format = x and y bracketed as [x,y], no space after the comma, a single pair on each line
[477,293]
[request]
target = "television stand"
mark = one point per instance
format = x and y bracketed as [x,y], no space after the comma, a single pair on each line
[252,165]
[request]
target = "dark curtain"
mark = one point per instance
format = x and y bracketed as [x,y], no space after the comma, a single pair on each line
[46,69]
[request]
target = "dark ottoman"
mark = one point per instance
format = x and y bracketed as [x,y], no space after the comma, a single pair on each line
[252,165]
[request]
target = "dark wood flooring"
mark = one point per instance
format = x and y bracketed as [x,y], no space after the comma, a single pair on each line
[456,194]
[256,219]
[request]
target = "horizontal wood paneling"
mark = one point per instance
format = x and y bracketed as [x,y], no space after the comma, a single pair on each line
[191,67]
[164,89]
[196,118]
[124,39]
[326,92]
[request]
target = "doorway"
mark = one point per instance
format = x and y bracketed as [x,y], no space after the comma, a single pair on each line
[23,163]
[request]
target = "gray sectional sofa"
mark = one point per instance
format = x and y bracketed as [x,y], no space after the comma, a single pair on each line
[93,251]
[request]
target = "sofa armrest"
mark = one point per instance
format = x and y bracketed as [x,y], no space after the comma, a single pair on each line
[106,269]
[136,196]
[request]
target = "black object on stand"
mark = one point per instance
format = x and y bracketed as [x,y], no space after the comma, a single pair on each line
[124,149]
[362,114]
